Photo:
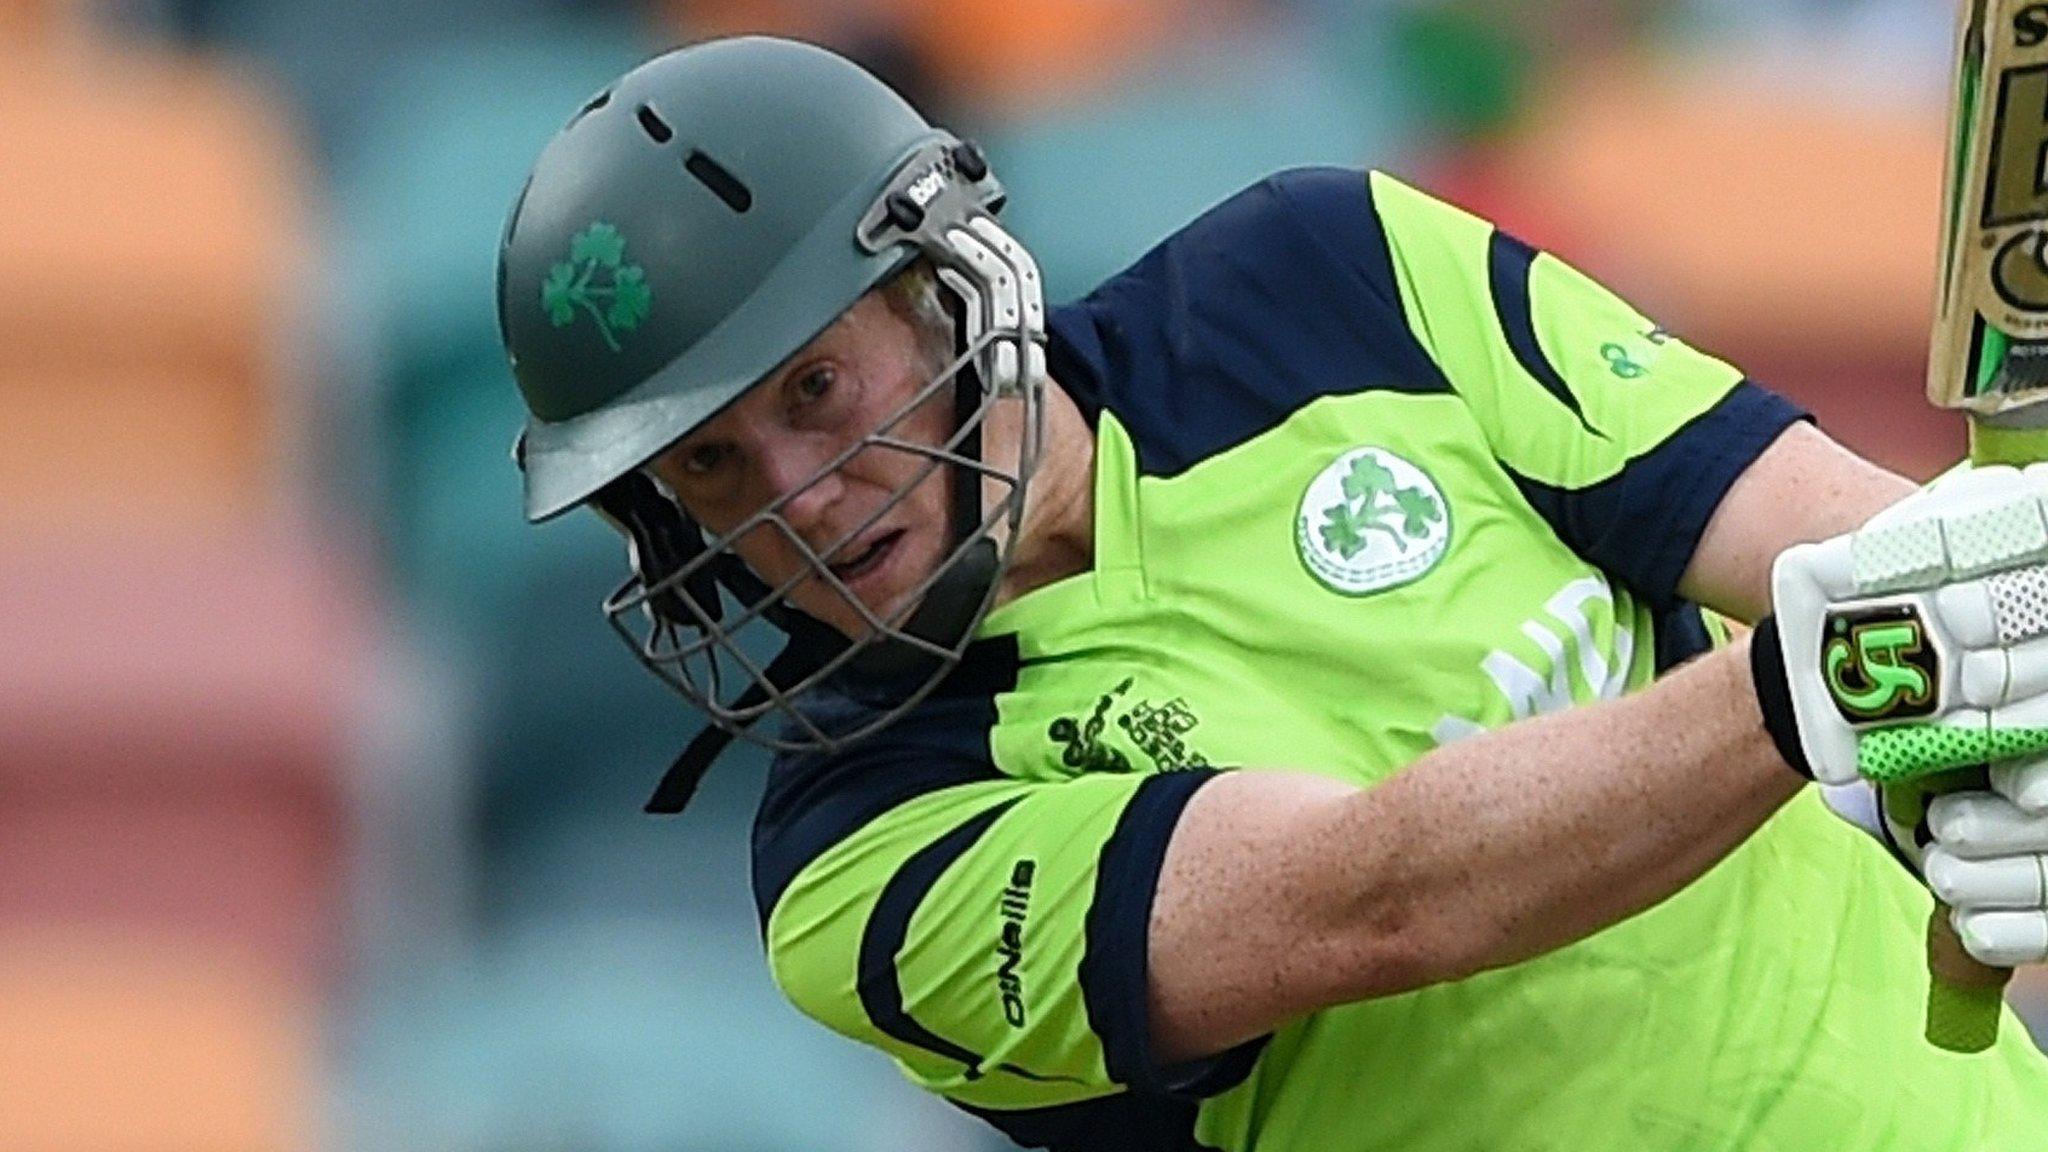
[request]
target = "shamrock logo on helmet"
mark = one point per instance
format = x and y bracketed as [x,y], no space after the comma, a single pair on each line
[619,301]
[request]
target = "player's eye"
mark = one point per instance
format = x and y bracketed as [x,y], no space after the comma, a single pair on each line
[820,397]
[814,385]
[704,459]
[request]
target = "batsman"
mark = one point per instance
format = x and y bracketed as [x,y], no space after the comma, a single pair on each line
[1282,700]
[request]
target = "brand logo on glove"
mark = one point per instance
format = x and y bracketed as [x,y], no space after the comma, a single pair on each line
[1879,665]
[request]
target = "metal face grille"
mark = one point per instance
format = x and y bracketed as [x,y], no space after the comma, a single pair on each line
[716,654]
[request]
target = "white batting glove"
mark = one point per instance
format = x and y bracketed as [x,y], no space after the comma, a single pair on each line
[1989,864]
[1919,643]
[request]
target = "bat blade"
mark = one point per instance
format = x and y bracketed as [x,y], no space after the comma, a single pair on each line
[1990,349]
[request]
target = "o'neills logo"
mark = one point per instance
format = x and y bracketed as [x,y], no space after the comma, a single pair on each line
[1014,905]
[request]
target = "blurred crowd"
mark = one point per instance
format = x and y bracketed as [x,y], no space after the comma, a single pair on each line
[320,773]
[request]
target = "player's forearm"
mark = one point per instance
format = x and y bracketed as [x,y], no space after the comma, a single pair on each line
[1504,847]
[1285,893]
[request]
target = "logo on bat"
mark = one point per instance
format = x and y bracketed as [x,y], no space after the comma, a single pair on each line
[2030,25]
[2014,196]
[2020,274]
[1879,665]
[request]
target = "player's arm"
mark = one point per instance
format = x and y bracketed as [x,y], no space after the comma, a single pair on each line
[1020,946]
[1804,487]
[1282,894]
[988,933]
[1493,850]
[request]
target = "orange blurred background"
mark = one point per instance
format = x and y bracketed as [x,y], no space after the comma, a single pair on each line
[319,778]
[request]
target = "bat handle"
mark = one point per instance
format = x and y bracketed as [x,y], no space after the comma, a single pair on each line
[1964,997]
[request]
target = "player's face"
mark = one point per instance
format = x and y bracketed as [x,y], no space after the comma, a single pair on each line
[776,444]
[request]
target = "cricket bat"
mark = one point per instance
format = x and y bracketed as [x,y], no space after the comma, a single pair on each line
[1990,350]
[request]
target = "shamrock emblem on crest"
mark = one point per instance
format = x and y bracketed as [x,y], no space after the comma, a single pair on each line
[619,301]
[1374,501]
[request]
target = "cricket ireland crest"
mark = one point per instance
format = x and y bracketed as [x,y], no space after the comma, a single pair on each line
[1371,521]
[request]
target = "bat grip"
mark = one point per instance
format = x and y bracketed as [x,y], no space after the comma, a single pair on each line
[1964,997]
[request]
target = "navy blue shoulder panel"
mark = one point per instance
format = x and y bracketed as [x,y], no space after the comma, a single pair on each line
[1125,1122]
[1281,294]
[1509,266]
[1643,524]
[814,801]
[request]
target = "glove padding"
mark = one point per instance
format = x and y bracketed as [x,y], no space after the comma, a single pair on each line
[1919,643]
[1989,864]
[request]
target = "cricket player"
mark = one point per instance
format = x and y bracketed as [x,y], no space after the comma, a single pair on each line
[1268,703]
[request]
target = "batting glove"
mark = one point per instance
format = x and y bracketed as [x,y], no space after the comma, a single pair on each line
[1918,644]
[1989,864]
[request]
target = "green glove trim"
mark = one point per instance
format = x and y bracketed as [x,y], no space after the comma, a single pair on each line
[1912,751]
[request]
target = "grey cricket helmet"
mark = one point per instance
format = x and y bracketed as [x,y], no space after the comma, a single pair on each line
[691,227]
[688,231]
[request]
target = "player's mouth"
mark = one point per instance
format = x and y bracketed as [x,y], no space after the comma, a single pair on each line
[868,560]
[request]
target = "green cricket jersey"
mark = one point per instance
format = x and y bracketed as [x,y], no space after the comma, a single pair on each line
[1371,476]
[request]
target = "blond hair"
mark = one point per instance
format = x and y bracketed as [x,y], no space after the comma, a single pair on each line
[914,294]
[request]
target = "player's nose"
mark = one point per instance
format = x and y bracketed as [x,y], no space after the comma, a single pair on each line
[805,487]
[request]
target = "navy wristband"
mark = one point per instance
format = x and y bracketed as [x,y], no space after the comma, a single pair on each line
[1774,694]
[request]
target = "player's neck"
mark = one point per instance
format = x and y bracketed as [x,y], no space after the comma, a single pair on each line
[1057,539]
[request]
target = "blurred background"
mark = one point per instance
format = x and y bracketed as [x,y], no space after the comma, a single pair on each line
[319,771]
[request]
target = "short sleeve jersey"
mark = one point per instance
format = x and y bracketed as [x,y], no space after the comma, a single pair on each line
[1371,476]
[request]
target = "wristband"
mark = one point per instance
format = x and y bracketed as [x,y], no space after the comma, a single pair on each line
[1774,694]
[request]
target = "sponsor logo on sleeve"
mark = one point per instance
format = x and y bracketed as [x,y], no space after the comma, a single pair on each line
[1634,357]
[1081,740]
[1157,729]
